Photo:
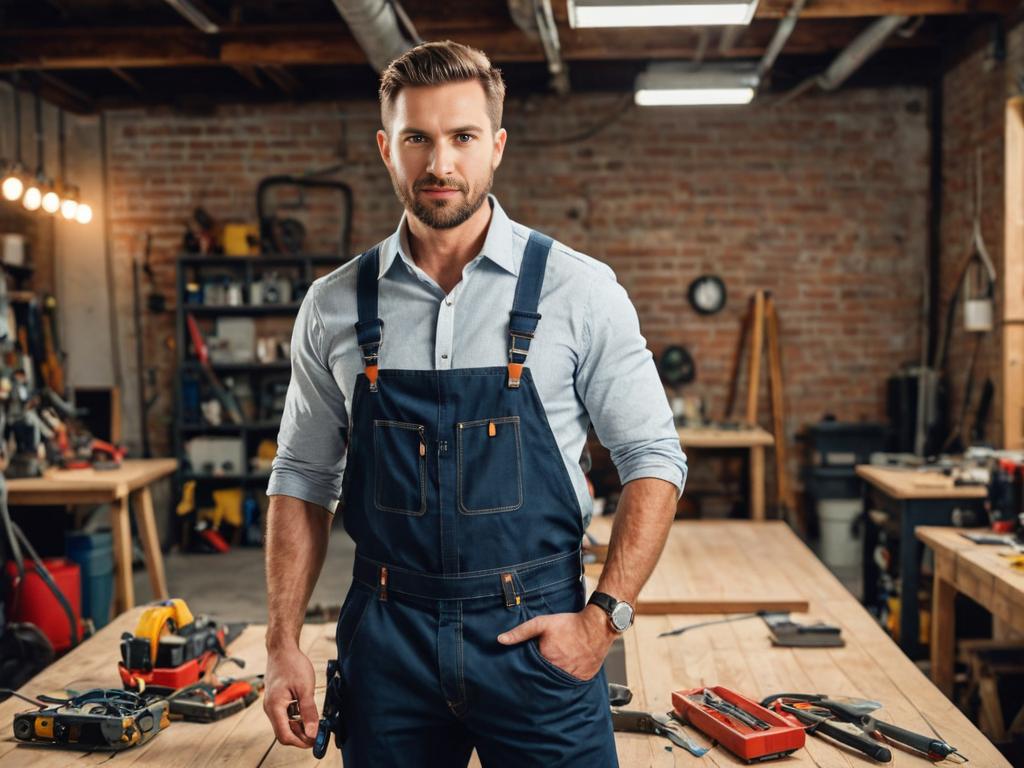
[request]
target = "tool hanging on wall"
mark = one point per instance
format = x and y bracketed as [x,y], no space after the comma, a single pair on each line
[762,320]
[288,235]
[145,377]
[976,283]
[53,362]
[226,398]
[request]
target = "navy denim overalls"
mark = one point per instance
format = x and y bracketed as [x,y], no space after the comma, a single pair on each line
[466,524]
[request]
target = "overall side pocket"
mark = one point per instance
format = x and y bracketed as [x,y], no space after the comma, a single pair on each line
[400,466]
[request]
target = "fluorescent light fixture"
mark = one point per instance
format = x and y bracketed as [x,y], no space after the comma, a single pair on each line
[660,13]
[674,84]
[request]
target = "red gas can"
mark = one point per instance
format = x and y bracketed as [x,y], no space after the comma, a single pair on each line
[32,601]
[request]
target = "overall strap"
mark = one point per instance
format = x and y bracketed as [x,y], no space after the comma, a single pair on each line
[369,327]
[523,318]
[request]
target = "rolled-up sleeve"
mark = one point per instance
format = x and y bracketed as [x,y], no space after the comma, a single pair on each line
[311,441]
[618,383]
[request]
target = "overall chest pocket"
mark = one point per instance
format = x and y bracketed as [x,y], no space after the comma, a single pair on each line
[400,454]
[490,474]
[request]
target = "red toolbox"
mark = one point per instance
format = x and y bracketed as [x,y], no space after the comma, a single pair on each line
[32,601]
[776,738]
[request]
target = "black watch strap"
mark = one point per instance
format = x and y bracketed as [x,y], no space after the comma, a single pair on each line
[603,601]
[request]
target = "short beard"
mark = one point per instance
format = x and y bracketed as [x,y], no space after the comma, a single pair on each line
[442,214]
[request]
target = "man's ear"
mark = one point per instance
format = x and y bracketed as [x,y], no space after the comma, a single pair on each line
[499,146]
[384,147]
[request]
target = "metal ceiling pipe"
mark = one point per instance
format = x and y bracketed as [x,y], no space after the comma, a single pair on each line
[537,21]
[194,15]
[780,38]
[380,27]
[863,47]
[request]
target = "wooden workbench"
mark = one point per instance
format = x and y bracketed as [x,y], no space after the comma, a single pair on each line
[737,654]
[978,571]
[752,439]
[913,484]
[123,488]
[911,498]
[715,566]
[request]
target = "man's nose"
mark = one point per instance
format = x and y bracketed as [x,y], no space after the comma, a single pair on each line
[442,160]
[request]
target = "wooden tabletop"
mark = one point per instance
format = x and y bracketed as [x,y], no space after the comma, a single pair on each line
[718,566]
[981,572]
[738,654]
[917,484]
[72,486]
[711,437]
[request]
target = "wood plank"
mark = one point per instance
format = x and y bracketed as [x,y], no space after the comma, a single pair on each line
[776,9]
[714,566]
[914,484]
[714,437]
[757,493]
[121,530]
[142,501]
[326,44]
[754,369]
[1012,270]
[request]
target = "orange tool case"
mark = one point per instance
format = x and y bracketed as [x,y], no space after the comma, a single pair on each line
[753,745]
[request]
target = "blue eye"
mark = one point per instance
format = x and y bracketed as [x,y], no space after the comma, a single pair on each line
[465,138]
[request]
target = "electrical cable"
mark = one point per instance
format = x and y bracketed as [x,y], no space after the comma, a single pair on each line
[29,699]
[613,117]
[16,535]
[740,617]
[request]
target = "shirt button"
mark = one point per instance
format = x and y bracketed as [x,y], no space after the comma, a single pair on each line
[444,357]
[448,302]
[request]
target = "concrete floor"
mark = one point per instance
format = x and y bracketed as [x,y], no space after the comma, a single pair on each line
[232,586]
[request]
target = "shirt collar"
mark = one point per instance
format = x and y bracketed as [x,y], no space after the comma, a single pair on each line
[497,245]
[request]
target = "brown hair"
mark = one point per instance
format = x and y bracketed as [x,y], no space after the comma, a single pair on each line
[441,62]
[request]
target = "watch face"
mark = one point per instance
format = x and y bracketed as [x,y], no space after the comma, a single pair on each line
[622,616]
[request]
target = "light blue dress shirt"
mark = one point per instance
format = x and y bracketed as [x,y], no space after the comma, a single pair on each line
[589,361]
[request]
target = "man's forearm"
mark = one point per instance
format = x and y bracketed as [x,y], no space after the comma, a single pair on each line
[297,533]
[642,520]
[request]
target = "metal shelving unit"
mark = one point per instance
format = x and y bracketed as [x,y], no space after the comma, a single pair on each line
[303,269]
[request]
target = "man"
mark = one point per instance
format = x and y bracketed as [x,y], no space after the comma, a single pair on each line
[465,626]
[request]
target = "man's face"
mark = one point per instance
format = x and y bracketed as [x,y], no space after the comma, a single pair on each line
[441,151]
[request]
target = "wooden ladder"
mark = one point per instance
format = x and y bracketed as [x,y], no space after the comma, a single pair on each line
[760,321]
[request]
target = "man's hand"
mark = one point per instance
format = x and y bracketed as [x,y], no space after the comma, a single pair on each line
[574,642]
[290,676]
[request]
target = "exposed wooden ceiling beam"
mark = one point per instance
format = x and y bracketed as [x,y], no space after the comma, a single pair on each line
[839,9]
[326,45]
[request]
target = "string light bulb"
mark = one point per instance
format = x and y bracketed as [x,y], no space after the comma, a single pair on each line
[83,215]
[13,186]
[32,198]
[51,201]
[68,207]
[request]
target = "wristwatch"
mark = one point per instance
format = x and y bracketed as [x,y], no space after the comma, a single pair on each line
[620,613]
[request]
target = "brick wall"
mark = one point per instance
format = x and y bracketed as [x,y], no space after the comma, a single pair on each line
[822,201]
[975,90]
